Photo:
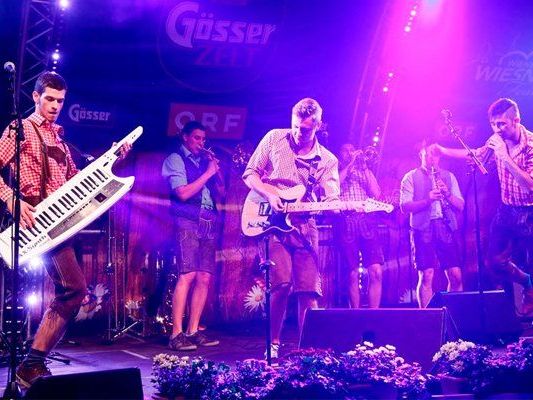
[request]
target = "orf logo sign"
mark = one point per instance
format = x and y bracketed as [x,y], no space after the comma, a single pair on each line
[221,122]
[216,47]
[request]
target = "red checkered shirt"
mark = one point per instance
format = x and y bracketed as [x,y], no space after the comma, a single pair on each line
[512,193]
[276,163]
[355,186]
[31,159]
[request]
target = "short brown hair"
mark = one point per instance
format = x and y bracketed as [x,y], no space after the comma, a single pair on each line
[306,108]
[501,106]
[49,79]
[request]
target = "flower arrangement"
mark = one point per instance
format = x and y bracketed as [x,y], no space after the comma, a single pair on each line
[369,364]
[301,374]
[486,370]
[460,358]
[184,376]
[467,360]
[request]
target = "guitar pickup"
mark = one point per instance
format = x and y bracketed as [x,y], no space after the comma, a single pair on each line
[265,208]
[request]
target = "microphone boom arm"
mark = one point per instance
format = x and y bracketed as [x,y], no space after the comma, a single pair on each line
[471,154]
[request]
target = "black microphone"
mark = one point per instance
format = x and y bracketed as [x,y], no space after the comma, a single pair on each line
[9,67]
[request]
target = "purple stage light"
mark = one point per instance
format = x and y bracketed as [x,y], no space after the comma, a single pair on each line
[63,4]
[35,264]
[32,299]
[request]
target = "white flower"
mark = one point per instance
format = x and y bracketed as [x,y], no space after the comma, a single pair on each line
[254,299]
[132,305]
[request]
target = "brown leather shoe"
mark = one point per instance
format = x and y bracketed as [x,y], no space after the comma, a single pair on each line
[27,373]
[201,339]
[181,343]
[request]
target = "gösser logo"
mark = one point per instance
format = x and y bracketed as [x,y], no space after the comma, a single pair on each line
[217,47]
[78,113]
[182,29]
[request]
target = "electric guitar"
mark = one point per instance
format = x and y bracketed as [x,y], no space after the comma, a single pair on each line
[258,217]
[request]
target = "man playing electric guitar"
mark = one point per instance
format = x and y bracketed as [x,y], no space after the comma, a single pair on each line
[286,158]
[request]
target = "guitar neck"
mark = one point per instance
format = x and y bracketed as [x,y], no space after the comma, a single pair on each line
[310,207]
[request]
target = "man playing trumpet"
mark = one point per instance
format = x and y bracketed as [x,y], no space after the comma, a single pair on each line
[358,231]
[190,172]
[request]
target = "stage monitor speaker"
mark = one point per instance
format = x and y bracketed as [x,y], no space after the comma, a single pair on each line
[417,334]
[487,318]
[111,384]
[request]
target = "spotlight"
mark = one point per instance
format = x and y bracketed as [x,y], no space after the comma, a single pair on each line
[32,300]
[63,4]
[390,74]
[413,13]
[35,264]
[375,139]
[407,29]
[55,55]
[385,89]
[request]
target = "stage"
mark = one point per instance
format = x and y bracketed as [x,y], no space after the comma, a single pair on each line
[89,354]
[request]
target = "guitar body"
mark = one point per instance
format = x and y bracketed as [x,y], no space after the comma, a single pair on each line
[258,217]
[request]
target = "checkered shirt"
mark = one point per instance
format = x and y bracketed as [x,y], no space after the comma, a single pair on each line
[354,187]
[512,193]
[31,160]
[275,161]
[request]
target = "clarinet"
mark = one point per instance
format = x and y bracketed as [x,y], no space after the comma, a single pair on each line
[444,205]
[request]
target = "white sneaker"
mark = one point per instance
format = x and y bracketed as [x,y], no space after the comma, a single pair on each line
[274,350]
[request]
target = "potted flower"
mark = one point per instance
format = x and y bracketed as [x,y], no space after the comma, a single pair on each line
[384,370]
[184,377]
[463,366]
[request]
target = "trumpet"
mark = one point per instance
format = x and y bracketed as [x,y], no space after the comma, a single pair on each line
[368,155]
[208,152]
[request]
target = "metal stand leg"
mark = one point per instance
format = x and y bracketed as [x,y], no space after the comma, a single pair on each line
[265,267]
[120,328]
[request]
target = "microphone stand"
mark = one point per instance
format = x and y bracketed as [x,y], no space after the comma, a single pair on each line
[12,390]
[476,164]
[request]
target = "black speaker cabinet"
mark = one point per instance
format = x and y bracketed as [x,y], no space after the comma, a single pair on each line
[111,384]
[417,334]
[488,317]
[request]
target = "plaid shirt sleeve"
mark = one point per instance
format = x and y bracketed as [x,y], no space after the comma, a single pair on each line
[260,158]
[72,168]
[330,181]
[529,158]
[7,152]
